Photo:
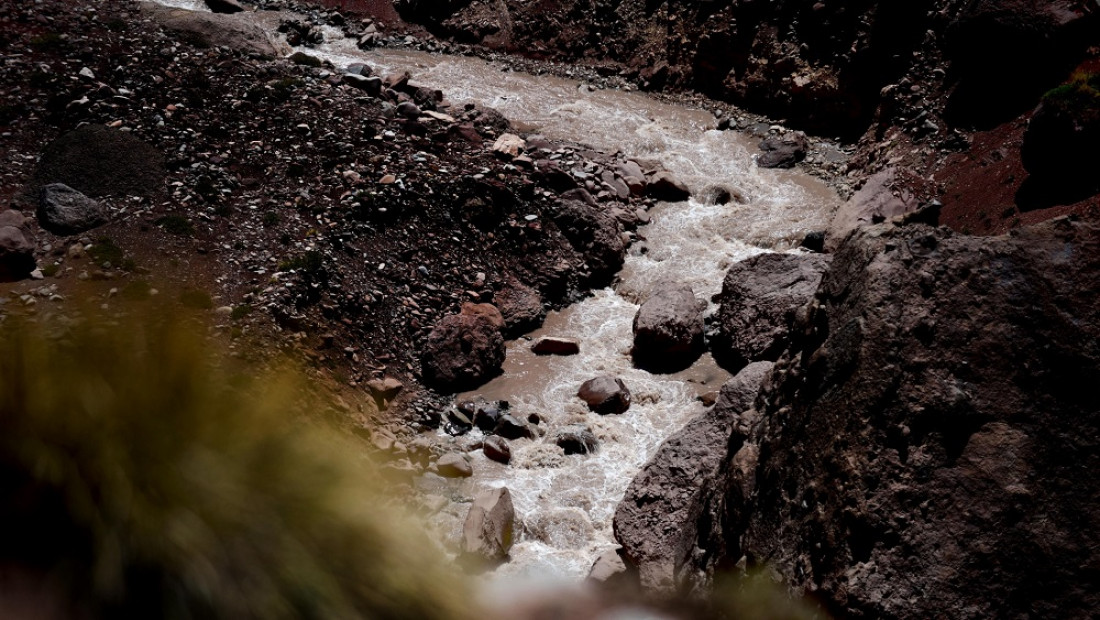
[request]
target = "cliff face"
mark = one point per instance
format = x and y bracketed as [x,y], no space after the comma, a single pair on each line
[926,443]
[822,65]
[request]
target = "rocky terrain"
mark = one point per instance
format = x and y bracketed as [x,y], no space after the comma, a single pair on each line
[335,217]
[909,432]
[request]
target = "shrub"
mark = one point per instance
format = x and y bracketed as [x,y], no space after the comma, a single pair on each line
[161,482]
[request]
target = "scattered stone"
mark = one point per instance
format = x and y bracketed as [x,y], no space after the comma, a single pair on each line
[608,567]
[65,211]
[549,345]
[369,84]
[489,528]
[510,427]
[304,59]
[454,465]
[605,395]
[520,306]
[384,390]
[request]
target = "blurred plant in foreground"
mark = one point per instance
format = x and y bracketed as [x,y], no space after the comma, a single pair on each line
[142,477]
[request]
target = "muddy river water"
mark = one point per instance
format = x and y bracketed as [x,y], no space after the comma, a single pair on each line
[565,504]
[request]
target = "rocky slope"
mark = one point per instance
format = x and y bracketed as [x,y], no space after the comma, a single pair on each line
[922,448]
[337,218]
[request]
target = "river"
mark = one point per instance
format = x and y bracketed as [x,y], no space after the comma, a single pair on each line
[565,504]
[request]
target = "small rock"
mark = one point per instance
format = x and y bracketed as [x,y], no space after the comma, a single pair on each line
[224,6]
[384,390]
[549,345]
[664,186]
[606,567]
[509,145]
[497,449]
[510,427]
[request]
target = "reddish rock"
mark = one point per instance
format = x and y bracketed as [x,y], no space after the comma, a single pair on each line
[605,395]
[549,345]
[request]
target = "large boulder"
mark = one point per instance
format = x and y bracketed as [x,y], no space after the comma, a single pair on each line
[657,521]
[464,350]
[925,443]
[605,395]
[489,529]
[668,329]
[758,301]
[520,306]
[16,247]
[65,211]
[576,439]
[238,31]
[593,232]
[101,161]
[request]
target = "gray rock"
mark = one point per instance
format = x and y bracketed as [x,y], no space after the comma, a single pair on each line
[664,186]
[783,151]
[489,529]
[608,567]
[605,395]
[370,84]
[65,211]
[510,427]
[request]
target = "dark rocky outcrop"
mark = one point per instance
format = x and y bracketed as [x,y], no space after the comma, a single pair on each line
[16,247]
[65,211]
[464,350]
[668,329]
[657,521]
[922,445]
[758,301]
[224,6]
[605,395]
[1059,148]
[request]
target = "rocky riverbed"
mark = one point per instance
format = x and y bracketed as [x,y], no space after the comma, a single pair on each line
[907,431]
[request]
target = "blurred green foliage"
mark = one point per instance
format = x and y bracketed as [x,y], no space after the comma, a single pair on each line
[143,477]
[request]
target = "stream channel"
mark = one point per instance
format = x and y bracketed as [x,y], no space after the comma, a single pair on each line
[565,504]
